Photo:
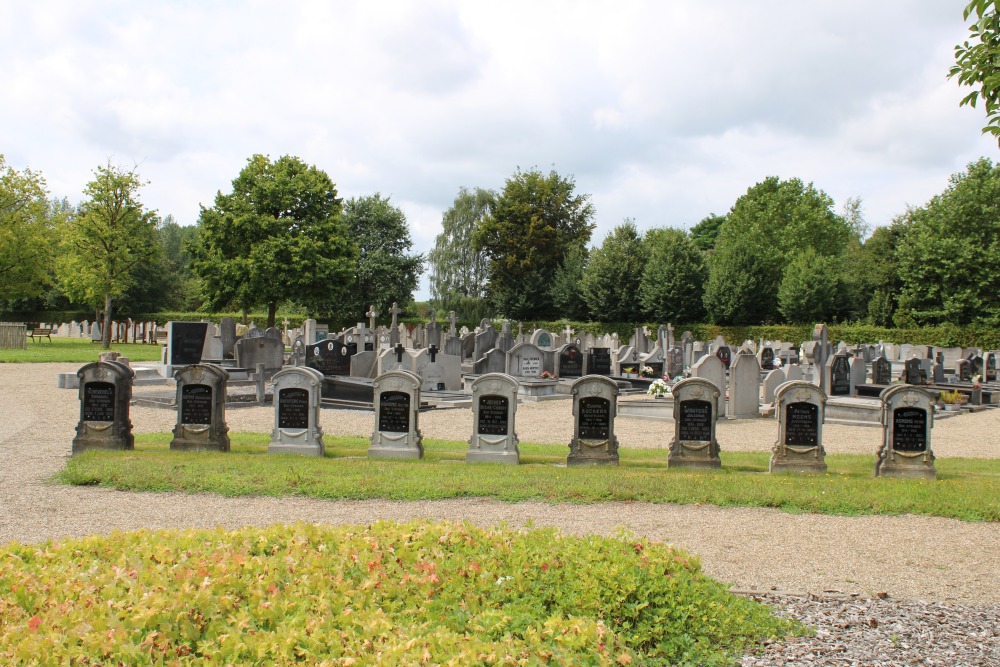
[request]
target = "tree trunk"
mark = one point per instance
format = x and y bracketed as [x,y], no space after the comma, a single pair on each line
[106,332]
[272,309]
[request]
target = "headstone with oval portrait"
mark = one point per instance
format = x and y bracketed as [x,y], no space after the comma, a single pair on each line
[696,411]
[494,404]
[105,394]
[800,408]
[201,409]
[907,420]
[569,361]
[397,408]
[297,429]
[331,357]
[595,406]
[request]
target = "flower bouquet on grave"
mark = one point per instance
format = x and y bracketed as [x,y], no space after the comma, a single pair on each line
[658,389]
[548,376]
[647,372]
[977,381]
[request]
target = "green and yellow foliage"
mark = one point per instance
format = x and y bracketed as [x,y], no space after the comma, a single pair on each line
[386,594]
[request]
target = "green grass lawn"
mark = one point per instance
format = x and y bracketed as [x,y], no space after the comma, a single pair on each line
[75,350]
[965,489]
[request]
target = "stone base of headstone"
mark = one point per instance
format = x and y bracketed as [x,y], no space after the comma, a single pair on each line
[304,449]
[192,443]
[904,467]
[385,449]
[94,436]
[593,452]
[499,455]
[797,462]
[682,456]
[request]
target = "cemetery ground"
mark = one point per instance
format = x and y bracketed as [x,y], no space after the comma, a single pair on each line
[906,557]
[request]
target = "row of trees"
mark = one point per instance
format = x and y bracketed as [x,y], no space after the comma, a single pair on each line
[781,254]
[282,236]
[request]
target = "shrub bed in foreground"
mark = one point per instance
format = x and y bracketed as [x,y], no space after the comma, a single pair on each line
[386,594]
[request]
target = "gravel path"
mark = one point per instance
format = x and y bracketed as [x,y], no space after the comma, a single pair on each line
[904,558]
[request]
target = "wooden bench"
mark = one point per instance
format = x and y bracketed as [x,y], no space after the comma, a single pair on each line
[35,330]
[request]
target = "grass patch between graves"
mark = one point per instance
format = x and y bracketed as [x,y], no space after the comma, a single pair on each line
[76,350]
[965,488]
[399,594]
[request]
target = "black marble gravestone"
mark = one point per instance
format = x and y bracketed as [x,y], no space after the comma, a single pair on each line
[881,371]
[98,402]
[595,418]
[196,404]
[394,412]
[767,359]
[187,340]
[293,408]
[570,362]
[695,421]
[840,376]
[599,361]
[912,372]
[909,429]
[331,357]
[802,425]
[494,415]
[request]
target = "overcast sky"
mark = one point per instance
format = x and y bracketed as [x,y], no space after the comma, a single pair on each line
[663,111]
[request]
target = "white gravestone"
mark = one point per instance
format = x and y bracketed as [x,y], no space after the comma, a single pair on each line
[494,404]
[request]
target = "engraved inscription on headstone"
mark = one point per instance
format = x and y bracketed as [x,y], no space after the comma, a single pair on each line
[196,404]
[909,429]
[802,424]
[570,362]
[394,412]
[599,362]
[293,408]
[187,340]
[595,417]
[98,402]
[767,359]
[493,411]
[695,420]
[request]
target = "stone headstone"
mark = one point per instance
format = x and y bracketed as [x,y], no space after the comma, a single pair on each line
[438,371]
[990,371]
[185,342]
[859,373]
[595,405]
[710,368]
[331,357]
[772,381]
[675,361]
[793,372]
[105,394]
[397,407]
[227,332]
[254,332]
[201,409]
[599,361]
[495,361]
[911,371]
[486,339]
[525,361]
[297,429]
[569,362]
[505,340]
[542,338]
[963,368]
[766,358]
[696,402]
[907,420]
[494,404]
[262,350]
[744,387]
[800,408]
[838,375]
[395,359]
[881,371]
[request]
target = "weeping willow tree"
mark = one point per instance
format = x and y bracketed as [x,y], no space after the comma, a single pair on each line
[459,274]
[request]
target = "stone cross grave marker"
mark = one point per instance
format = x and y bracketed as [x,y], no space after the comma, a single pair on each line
[525,360]
[595,405]
[397,406]
[494,404]
[800,408]
[371,315]
[696,412]
[297,429]
[907,420]
[201,409]
[105,395]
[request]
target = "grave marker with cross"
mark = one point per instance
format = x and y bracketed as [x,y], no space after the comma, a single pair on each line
[453,321]
[372,314]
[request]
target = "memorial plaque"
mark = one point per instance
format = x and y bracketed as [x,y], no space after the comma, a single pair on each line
[196,404]
[881,371]
[545,340]
[293,408]
[571,362]
[600,361]
[802,425]
[695,421]
[595,418]
[767,359]
[330,357]
[909,429]
[725,355]
[98,402]
[394,412]
[187,340]
[493,415]
[840,376]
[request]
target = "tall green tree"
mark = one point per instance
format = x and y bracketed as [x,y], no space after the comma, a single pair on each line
[977,63]
[458,272]
[809,289]
[385,272]
[946,259]
[277,237]
[111,236]
[878,274]
[610,286]
[28,226]
[705,233]
[567,295]
[766,228]
[673,279]
[536,221]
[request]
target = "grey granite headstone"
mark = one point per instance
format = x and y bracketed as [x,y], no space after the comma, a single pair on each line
[397,408]
[201,409]
[595,406]
[800,409]
[907,420]
[494,405]
[105,395]
[297,429]
[696,413]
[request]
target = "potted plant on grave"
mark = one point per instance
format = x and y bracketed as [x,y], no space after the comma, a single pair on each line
[647,372]
[629,371]
[658,389]
[548,376]
[953,400]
